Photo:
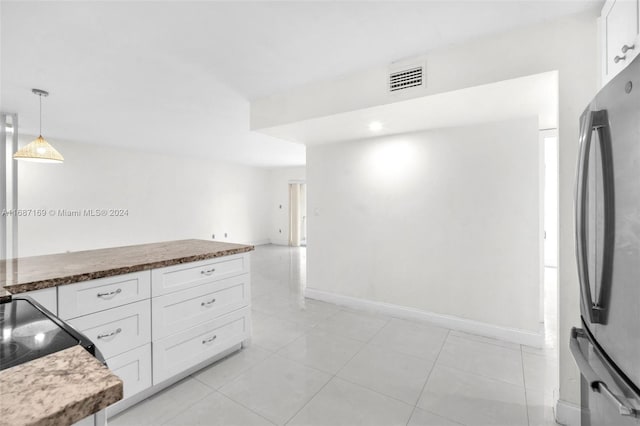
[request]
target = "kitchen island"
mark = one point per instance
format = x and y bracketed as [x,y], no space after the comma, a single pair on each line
[193,294]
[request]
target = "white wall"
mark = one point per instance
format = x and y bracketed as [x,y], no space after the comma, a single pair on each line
[279,180]
[444,221]
[167,198]
[569,46]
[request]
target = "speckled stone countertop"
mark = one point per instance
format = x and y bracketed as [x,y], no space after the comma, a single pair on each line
[38,272]
[58,389]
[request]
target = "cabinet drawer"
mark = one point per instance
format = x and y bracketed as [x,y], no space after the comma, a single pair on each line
[178,311]
[187,275]
[119,329]
[181,351]
[87,297]
[134,368]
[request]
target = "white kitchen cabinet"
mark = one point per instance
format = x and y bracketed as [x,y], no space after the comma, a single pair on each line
[154,327]
[190,347]
[115,314]
[199,310]
[47,297]
[619,34]
[134,368]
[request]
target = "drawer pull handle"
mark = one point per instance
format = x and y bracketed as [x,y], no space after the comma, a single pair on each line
[209,340]
[619,58]
[209,303]
[208,271]
[627,48]
[110,293]
[113,333]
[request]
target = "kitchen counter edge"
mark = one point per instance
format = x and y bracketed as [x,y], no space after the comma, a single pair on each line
[61,388]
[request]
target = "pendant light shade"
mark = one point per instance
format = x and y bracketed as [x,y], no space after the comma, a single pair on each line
[39,150]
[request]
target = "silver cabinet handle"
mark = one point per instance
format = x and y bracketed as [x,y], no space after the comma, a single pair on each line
[619,58]
[113,333]
[209,303]
[627,48]
[208,271]
[209,340]
[111,293]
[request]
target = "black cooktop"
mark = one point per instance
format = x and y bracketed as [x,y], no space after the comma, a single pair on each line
[29,331]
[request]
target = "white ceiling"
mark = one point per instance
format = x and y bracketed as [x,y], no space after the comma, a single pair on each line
[535,95]
[178,76]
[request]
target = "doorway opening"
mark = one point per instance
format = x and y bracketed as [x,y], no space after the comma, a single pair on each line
[550,147]
[549,290]
[297,214]
[549,153]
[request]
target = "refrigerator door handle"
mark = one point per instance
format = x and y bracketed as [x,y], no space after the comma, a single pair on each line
[581,216]
[601,125]
[595,383]
[598,121]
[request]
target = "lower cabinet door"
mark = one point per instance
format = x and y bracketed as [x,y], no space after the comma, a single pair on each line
[134,368]
[190,347]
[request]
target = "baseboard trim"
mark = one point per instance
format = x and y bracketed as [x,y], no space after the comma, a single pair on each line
[522,337]
[567,413]
[279,242]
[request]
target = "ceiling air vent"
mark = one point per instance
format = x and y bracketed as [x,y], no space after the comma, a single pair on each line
[405,79]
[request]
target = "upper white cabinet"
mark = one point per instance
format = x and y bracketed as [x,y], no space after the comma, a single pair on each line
[619,27]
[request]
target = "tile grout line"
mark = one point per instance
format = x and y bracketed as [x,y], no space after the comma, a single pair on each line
[250,409]
[233,380]
[336,373]
[482,341]
[276,353]
[188,406]
[424,386]
[235,377]
[360,385]
[487,377]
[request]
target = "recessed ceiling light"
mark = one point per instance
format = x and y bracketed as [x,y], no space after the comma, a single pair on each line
[375,126]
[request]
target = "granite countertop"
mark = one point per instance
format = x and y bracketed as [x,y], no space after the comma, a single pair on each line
[39,272]
[58,389]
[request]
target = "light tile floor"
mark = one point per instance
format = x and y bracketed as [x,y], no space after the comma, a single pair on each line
[313,363]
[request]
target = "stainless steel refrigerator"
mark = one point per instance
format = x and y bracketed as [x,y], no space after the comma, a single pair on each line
[607,346]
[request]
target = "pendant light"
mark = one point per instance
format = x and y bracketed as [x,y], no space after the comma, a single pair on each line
[39,150]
